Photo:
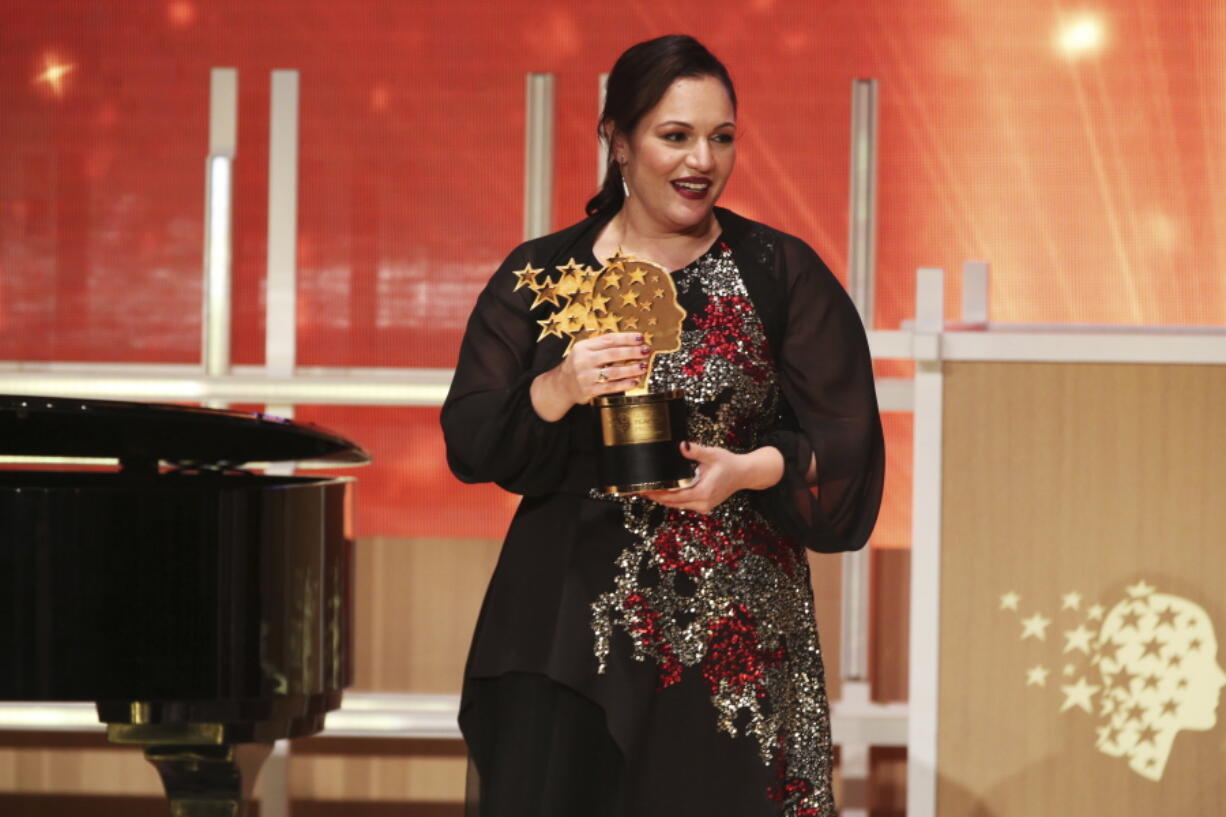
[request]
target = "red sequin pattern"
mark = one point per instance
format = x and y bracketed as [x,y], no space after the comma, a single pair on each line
[724,594]
[735,658]
[723,335]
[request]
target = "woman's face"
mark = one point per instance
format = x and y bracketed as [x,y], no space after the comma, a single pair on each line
[678,159]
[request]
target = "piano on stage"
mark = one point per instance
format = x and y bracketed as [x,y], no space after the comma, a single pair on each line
[205,609]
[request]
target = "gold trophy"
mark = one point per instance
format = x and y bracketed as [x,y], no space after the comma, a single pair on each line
[640,431]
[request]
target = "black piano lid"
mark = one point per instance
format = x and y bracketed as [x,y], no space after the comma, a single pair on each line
[74,427]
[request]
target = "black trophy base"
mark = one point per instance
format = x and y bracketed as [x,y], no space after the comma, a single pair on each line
[640,439]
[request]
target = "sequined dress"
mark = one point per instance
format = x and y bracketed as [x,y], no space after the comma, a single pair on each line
[636,660]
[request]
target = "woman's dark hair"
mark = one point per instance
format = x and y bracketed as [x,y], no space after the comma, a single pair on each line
[639,79]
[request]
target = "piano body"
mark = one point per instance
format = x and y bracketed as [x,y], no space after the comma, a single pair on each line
[205,609]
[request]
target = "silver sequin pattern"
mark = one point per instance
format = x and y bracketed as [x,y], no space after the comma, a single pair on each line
[728,568]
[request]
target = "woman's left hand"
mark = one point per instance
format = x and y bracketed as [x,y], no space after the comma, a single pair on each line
[719,475]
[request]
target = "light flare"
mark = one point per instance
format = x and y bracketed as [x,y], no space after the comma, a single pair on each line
[53,74]
[1080,36]
[180,13]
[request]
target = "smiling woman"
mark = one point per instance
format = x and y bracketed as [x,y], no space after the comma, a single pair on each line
[656,654]
[674,165]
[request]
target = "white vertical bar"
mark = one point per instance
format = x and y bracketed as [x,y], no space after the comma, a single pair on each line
[274,782]
[215,339]
[218,208]
[223,112]
[538,156]
[930,301]
[861,256]
[602,147]
[281,283]
[855,615]
[860,276]
[923,692]
[975,277]
[854,766]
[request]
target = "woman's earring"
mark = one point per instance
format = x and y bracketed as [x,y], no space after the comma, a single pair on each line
[625,187]
[621,167]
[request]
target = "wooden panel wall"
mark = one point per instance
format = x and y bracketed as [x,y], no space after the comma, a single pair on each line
[415,607]
[1083,553]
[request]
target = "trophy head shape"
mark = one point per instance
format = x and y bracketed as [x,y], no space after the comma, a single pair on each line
[630,295]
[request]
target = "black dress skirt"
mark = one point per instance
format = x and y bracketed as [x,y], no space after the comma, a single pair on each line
[632,659]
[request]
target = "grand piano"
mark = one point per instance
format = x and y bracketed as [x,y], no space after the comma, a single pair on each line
[205,609]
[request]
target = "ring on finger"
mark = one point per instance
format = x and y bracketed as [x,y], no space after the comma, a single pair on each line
[602,376]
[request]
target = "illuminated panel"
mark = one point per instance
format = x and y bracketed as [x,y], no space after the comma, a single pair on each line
[1080,152]
[408,490]
[894,522]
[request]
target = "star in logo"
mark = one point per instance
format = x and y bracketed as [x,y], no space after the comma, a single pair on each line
[1079,695]
[1008,601]
[1121,680]
[1035,626]
[1071,601]
[1108,735]
[1036,676]
[1140,589]
[1131,619]
[1153,647]
[1078,639]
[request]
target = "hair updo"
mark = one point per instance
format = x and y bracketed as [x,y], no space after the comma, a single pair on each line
[639,79]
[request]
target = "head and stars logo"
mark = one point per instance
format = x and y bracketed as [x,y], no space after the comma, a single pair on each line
[1145,669]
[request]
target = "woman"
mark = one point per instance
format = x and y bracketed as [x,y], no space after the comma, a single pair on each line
[657,654]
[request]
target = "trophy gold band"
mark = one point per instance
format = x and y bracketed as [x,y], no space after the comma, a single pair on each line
[639,442]
[640,432]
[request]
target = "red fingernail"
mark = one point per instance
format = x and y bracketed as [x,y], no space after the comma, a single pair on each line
[646,350]
[643,366]
[638,338]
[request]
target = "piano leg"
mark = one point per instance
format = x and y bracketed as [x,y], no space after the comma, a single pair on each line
[208,781]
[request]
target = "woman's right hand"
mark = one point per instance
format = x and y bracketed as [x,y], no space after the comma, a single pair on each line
[603,364]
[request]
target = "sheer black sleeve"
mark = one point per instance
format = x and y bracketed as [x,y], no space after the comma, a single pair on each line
[492,432]
[826,376]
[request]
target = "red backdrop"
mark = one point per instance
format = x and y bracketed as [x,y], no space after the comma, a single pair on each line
[1082,155]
